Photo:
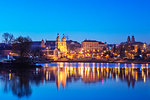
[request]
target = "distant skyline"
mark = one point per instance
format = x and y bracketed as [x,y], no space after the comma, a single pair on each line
[109,21]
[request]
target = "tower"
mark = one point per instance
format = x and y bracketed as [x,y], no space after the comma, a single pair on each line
[58,38]
[57,44]
[64,45]
[63,38]
[61,45]
[43,43]
[133,39]
[128,39]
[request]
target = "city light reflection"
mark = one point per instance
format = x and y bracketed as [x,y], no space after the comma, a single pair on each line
[91,72]
[62,73]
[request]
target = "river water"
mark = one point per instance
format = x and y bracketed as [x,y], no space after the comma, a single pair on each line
[77,81]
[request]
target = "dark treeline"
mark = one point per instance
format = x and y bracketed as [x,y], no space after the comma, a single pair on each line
[21,47]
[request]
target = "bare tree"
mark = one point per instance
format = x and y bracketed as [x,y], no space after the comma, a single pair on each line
[22,46]
[37,52]
[8,38]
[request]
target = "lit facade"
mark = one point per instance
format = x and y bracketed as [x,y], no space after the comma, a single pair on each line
[92,45]
[61,45]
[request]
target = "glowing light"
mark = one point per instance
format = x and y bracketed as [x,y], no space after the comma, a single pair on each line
[46,75]
[144,78]
[9,76]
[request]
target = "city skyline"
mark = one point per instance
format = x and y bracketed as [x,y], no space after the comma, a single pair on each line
[107,21]
[80,41]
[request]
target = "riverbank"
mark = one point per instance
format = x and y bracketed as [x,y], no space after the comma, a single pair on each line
[107,61]
[18,65]
[24,65]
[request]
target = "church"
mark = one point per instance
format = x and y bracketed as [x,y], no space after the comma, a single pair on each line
[60,47]
[61,44]
[55,49]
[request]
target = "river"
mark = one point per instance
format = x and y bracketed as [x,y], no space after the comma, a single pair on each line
[77,81]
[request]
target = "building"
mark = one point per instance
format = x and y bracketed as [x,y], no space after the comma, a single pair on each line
[6,52]
[92,45]
[5,49]
[138,45]
[55,49]
[50,44]
[131,40]
[38,44]
[128,39]
[49,49]
[133,47]
[148,47]
[92,48]
[61,44]
[60,47]
[73,46]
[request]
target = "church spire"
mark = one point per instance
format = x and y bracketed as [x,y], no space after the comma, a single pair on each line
[63,38]
[133,39]
[128,39]
[58,38]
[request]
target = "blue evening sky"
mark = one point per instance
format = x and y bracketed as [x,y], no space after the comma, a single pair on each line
[104,20]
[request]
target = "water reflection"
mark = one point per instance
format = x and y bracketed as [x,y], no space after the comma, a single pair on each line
[95,74]
[17,82]
[20,82]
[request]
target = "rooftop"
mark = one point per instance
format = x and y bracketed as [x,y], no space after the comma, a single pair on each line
[94,41]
